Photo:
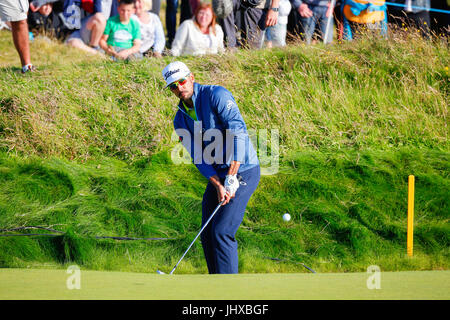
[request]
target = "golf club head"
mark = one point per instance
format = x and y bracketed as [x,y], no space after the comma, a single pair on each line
[160,272]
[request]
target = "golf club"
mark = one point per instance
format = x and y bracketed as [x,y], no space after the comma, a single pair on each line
[204,226]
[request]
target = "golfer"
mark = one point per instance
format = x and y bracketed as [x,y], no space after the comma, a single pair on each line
[211,128]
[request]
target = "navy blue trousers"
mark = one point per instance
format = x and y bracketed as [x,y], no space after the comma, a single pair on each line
[218,238]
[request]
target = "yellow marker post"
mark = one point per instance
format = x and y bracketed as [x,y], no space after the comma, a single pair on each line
[409,241]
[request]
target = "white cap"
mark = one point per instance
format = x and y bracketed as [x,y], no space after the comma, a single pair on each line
[175,71]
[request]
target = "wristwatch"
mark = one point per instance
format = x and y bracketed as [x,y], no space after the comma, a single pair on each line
[274,9]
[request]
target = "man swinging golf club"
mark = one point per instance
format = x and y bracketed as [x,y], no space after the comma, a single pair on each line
[212,130]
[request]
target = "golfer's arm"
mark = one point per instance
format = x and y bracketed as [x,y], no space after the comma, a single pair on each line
[234,167]
[215,181]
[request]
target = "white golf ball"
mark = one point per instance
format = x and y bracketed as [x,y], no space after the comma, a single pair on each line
[286,217]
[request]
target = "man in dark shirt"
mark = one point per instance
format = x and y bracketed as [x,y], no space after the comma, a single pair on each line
[47,20]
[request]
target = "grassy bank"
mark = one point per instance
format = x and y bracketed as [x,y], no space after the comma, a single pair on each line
[371,94]
[348,211]
[86,149]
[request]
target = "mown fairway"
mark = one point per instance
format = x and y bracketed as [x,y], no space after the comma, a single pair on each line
[51,284]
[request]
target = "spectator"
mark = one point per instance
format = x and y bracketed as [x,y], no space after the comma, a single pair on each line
[276,35]
[152,33]
[225,11]
[362,13]
[122,37]
[46,19]
[199,35]
[91,29]
[314,14]
[194,4]
[156,7]
[411,15]
[171,16]
[171,20]
[252,18]
[15,12]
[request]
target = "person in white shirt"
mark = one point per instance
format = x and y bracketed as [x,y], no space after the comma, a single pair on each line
[152,33]
[199,35]
[276,35]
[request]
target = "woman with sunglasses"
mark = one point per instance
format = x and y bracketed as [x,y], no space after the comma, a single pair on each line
[211,128]
[199,35]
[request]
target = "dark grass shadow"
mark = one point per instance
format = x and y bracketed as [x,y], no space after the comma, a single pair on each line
[11,70]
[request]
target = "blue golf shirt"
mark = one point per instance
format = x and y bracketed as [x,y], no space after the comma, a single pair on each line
[220,122]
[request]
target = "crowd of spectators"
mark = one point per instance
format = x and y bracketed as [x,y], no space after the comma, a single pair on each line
[132,29]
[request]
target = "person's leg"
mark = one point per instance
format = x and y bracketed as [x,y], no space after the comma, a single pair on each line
[375,29]
[396,18]
[21,40]
[268,37]
[421,21]
[229,27]
[254,22]
[135,56]
[347,33]
[92,31]
[185,10]
[278,35]
[130,57]
[79,44]
[80,39]
[15,12]
[156,7]
[308,25]
[323,23]
[229,30]
[227,221]
[171,19]
[293,25]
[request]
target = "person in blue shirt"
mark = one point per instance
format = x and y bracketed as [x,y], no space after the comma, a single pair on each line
[211,128]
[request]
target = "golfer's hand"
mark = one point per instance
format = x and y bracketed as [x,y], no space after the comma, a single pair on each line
[231,184]
[223,195]
[304,11]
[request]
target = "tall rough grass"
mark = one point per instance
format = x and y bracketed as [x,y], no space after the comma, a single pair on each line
[367,94]
[348,211]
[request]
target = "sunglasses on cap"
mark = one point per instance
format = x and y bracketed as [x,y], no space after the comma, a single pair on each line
[174,85]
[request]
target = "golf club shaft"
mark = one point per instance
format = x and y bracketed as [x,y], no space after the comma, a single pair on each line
[204,226]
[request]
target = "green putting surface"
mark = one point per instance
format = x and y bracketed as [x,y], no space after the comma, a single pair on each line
[52,284]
